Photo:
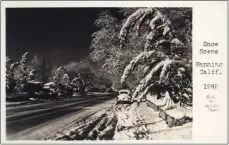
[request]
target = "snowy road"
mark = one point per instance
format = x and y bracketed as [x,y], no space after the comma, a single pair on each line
[32,122]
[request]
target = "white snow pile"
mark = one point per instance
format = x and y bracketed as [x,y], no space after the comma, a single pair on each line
[124,122]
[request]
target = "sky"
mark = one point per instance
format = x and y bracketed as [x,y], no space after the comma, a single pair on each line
[63,35]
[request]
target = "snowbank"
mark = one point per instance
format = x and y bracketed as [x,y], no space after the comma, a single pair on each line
[124,122]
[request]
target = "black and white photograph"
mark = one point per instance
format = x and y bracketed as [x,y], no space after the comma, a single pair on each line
[99,73]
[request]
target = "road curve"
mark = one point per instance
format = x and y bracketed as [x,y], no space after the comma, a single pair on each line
[34,122]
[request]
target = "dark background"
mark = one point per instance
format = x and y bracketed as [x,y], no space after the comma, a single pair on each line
[61,34]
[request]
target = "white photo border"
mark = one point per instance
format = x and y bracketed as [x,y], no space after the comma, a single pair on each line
[197,121]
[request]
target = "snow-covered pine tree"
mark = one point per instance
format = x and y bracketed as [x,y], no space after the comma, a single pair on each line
[58,75]
[165,66]
[22,76]
[10,80]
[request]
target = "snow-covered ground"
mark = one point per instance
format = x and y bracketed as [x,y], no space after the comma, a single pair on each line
[144,123]
[124,122]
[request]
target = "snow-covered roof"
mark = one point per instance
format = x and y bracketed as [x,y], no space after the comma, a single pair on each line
[35,82]
[124,91]
[49,83]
